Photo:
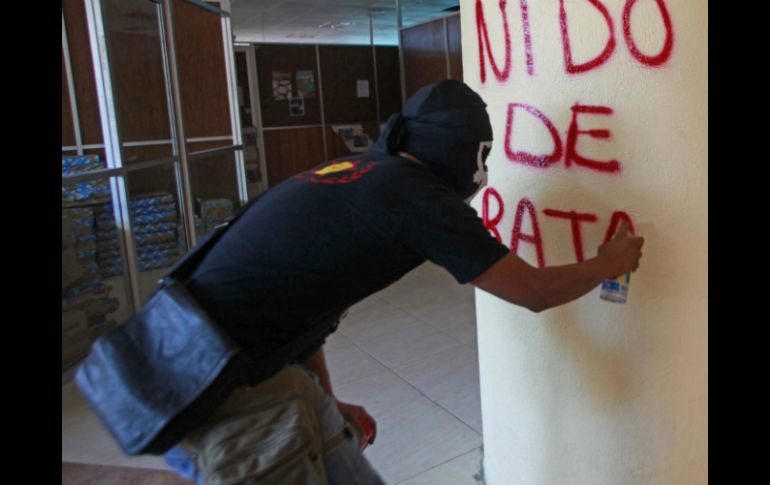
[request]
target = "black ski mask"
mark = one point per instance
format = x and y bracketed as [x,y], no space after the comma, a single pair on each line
[446,126]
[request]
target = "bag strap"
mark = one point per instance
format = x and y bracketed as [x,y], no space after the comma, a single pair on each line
[339,437]
[184,268]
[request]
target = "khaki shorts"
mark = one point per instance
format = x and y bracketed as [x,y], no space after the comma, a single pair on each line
[270,433]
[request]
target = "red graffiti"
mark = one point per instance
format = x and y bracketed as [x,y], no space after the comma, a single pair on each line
[525,157]
[536,238]
[572,156]
[575,219]
[481,31]
[517,236]
[573,132]
[617,216]
[527,37]
[485,47]
[668,44]
[491,224]
[609,47]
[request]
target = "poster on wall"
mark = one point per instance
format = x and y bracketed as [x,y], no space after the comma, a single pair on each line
[296,106]
[354,137]
[281,85]
[305,84]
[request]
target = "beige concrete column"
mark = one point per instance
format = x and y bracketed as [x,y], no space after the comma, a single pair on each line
[600,112]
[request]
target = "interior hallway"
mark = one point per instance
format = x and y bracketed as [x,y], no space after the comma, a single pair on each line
[408,354]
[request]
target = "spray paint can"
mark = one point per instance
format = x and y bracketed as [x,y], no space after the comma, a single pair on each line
[616,290]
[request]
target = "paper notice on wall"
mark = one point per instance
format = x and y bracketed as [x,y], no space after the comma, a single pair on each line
[305,84]
[281,85]
[354,137]
[362,88]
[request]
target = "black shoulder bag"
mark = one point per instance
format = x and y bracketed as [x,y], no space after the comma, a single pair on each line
[156,375]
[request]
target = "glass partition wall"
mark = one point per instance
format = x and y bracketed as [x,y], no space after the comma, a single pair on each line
[170,163]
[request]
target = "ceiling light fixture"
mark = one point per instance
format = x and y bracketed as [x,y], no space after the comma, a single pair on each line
[337,25]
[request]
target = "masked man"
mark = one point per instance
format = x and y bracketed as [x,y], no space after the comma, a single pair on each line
[280,278]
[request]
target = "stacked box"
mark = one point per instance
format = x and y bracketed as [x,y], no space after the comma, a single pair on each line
[80,163]
[83,321]
[75,337]
[91,191]
[80,272]
[85,301]
[215,212]
[154,223]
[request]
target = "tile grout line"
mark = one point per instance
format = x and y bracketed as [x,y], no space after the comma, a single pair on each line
[462,344]
[436,328]
[440,464]
[481,435]
[393,371]
[420,320]
[426,322]
[389,369]
[471,428]
[400,377]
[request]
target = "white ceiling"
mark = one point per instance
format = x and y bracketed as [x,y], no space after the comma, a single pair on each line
[329,21]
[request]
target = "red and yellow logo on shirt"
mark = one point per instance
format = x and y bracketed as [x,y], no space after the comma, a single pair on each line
[342,172]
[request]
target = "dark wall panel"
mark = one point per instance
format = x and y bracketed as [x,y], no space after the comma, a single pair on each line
[286,59]
[156,179]
[288,152]
[455,48]
[137,67]
[82,71]
[389,80]
[423,48]
[202,73]
[137,154]
[215,176]
[341,68]
[92,151]
[210,177]
[137,64]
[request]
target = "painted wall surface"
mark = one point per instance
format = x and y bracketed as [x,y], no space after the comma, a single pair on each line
[599,109]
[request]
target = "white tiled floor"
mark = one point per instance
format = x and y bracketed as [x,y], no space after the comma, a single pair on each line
[407,354]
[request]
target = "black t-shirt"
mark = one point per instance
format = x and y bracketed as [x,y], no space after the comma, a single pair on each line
[326,238]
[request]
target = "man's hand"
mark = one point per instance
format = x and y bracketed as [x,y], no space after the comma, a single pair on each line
[353,413]
[622,252]
[516,281]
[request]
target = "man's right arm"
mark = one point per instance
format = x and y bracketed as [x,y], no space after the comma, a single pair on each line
[516,281]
